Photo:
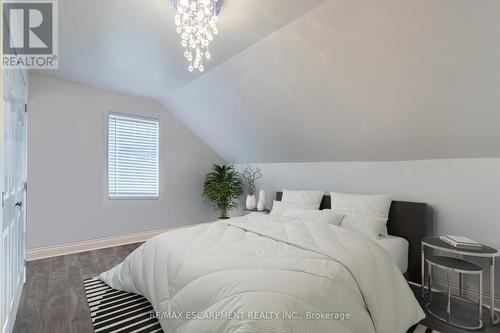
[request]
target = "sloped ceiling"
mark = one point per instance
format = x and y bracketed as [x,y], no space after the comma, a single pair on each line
[131,46]
[294,80]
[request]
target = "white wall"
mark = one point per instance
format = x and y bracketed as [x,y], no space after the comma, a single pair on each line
[464,194]
[67,191]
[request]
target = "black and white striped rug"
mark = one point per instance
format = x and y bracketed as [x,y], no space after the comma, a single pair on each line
[117,311]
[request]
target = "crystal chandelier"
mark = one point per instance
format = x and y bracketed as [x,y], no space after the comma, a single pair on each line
[196,22]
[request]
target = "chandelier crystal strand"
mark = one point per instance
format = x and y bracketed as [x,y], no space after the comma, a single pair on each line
[196,22]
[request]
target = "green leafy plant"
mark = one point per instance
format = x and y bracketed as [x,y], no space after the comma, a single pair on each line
[222,186]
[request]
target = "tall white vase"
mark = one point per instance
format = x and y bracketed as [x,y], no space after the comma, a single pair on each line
[251,202]
[262,200]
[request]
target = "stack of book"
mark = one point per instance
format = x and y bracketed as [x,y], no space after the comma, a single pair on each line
[461,242]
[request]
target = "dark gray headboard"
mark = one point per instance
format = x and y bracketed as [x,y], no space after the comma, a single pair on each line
[406,220]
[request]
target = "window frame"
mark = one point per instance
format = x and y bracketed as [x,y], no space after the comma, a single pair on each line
[131,197]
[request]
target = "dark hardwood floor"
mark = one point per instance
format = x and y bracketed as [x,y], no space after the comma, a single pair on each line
[53,299]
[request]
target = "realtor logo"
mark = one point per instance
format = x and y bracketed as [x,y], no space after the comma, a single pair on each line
[30,34]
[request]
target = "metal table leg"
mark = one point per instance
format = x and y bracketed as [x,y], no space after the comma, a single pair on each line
[460,284]
[423,268]
[494,317]
[481,296]
[448,306]
[429,285]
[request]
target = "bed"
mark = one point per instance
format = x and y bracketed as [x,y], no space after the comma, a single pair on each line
[257,274]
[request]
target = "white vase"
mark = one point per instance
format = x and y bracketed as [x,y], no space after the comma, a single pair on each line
[251,202]
[262,200]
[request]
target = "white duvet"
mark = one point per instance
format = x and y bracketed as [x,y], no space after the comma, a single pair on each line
[256,274]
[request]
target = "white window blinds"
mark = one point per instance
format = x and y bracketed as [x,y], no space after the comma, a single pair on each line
[132,157]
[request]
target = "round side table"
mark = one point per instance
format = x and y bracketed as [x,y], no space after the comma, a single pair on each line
[454,265]
[484,252]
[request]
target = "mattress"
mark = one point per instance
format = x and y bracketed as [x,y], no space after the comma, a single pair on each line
[397,249]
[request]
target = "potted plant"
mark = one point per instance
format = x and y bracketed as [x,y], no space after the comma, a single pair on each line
[250,176]
[222,186]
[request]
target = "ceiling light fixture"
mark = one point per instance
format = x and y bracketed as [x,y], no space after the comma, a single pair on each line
[196,22]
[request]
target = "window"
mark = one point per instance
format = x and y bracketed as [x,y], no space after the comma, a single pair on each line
[132,157]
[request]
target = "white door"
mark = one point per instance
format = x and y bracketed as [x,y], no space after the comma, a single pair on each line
[13,173]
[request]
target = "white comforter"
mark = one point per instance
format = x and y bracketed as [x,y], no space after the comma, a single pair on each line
[256,274]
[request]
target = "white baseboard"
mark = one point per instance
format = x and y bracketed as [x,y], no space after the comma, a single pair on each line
[95,244]
[469,293]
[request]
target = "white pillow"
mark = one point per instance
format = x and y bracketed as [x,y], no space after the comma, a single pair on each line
[280,207]
[368,225]
[324,216]
[377,205]
[303,197]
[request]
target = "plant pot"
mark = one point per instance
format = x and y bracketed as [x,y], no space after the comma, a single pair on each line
[262,201]
[251,202]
